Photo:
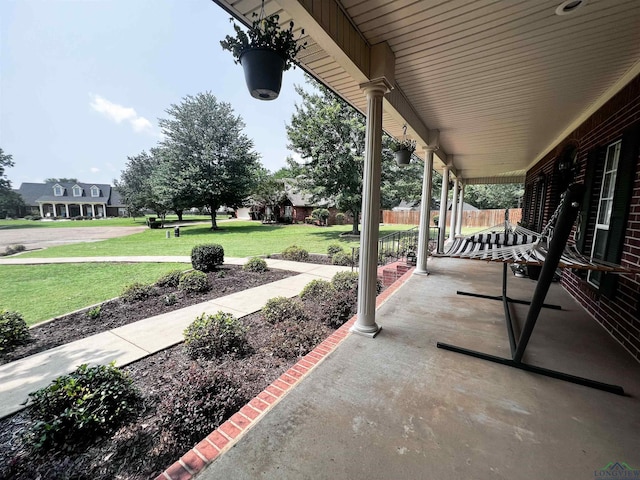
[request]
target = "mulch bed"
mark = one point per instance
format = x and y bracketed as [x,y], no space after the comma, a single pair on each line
[226,280]
[143,448]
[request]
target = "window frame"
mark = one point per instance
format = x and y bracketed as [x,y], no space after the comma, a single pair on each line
[58,190]
[95,191]
[76,188]
[606,200]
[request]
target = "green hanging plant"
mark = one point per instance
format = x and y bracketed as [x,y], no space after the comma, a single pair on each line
[265,32]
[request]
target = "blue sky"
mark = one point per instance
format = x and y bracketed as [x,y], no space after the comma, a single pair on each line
[83,82]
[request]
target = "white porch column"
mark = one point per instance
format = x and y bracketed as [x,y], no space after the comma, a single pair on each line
[81,211]
[41,210]
[93,211]
[366,322]
[460,210]
[425,211]
[66,209]
[104,210]
[454,210]
[442,221]
[55,213]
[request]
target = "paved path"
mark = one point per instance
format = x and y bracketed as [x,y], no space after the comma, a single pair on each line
[34,238]
[132,342]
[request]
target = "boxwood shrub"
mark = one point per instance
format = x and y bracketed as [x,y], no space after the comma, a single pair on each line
[170,279]
[317,290]
[194,282]
[255,264]
[212,336]
[207,257]
[295,253]
[279,309]
[137,291]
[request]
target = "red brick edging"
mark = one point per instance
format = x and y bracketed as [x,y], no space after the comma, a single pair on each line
[227,434]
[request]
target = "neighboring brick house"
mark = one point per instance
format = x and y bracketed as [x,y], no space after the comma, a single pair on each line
[69,200]
[604,153]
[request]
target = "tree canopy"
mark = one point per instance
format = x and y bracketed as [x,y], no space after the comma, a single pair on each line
[206,159]
[494,196]
[9,200]
[61,180]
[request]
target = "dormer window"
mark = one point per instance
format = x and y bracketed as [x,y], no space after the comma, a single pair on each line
[77,191]
[58,190]
[95,191]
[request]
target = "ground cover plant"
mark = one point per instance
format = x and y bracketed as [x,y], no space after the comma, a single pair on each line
[182,399]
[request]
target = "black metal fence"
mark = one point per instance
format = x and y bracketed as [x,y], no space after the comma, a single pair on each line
[398,245]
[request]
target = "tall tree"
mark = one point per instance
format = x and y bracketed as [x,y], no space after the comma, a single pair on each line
[270,191]
[10,201]
[329,135]
[61,180]
[136,184]
[494,196]
[205,150]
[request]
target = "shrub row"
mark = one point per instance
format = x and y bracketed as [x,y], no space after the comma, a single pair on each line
[13,330]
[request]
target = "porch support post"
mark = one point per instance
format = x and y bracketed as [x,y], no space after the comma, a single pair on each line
[425,211]
[41,210]
[442,221]
[366,321]
[93,211]
[55,213]
[66,209]
[81,212]
[454,210]
[460,209]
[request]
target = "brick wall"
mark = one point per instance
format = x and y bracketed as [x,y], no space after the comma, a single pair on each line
[620,315]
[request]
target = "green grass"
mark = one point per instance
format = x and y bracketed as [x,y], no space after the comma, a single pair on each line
[100,222]
[41,292]
[239,239]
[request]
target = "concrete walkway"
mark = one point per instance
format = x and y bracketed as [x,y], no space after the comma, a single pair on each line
[132,342]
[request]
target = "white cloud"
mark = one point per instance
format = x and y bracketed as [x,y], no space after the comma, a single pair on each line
[118,114]
[95,169]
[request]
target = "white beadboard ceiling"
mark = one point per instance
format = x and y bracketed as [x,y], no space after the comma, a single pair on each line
[502,80]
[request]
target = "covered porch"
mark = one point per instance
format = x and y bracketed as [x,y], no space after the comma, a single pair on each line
[398,407]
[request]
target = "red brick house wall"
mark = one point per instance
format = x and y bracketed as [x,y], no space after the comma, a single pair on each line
[619,312]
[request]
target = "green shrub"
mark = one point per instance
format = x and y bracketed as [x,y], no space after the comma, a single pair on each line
[295,253]
[340,218]
[137,291]
[76,408]
[13,330]
[199,402]
[279,309]
[33,217]
[334,248]
[255,264]
[341,258]
[207,257]
[316,290]
[94,312]
[211,336]
[170,279]
[194,282]
[345,281]
[334,310]
[321,215]
[291,339]
[170,299]
[12,249]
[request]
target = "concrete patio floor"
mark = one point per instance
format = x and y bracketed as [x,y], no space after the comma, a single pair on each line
[396,407]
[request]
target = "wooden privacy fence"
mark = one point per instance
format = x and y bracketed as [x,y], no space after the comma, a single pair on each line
[470,218]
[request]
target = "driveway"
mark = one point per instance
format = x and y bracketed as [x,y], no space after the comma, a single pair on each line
[34,238]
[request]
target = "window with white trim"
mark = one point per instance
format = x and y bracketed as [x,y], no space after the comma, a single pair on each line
[77,191]
[58,191]
[605,207]
[95,191]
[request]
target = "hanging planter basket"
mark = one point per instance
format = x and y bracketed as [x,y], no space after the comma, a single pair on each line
[403,157]
[263,72]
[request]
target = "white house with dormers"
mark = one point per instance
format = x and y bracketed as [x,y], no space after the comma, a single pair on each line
[70,200]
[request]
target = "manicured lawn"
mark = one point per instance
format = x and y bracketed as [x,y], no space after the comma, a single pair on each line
[239,239]
[41,292]
[100,222]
